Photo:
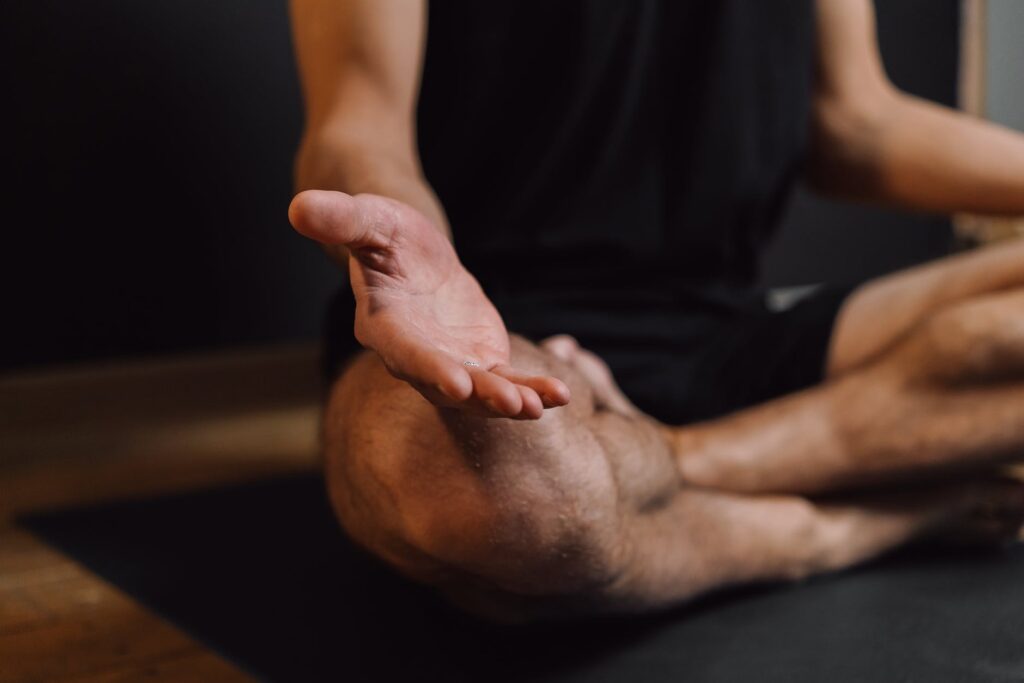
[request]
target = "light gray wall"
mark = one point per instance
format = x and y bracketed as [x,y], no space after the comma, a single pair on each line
[1005,68]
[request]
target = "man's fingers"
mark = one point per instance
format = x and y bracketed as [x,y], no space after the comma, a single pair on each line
[491,398]
[552,392]
[533,407]
[338,218]
[446,383]
[497,393]
[433,373]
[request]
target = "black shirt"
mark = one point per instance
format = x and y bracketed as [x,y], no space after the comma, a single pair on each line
[611,169]
[645,145]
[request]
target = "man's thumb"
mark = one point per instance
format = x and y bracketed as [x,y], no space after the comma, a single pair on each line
[333,218]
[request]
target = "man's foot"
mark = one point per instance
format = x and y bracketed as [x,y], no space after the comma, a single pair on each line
[420,309]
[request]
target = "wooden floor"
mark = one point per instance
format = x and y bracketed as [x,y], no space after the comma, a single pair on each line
[133,429]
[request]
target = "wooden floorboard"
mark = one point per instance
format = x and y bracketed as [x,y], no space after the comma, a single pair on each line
[88,434]
[59,622]
[188,666]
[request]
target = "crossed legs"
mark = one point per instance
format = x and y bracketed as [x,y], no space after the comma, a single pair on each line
[925,377]
[596,507]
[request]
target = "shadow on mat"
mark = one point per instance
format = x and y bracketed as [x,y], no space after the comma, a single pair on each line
[262,574]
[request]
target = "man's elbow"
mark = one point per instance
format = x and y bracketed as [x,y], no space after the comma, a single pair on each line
[846,158]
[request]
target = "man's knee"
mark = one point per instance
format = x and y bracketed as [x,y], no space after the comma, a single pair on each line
[975,341]
[437,494]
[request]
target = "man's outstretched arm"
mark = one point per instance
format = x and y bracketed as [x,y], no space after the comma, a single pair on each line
[873,143]
[367,202]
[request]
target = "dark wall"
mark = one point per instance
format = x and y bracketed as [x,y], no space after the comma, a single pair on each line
[150,145]
[148,149]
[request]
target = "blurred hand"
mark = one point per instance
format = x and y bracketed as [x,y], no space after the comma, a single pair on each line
[420,309]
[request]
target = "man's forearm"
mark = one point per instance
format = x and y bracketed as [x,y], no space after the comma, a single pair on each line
[914,154]
[357,168]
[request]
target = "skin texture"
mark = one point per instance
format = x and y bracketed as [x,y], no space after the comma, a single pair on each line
[583,504]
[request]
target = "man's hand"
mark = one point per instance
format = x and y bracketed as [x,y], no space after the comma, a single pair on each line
[592,368]
[420,310]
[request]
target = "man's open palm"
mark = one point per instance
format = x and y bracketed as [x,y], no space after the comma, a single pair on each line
[420,310]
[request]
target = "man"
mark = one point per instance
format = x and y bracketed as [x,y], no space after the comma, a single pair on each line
[611,170]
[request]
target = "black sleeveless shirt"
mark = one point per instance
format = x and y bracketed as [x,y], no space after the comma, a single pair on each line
[642,148]
[611,169]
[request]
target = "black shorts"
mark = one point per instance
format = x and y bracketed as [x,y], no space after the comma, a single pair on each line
[677,361]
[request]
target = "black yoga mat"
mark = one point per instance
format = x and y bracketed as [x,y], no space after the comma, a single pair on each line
[262,574]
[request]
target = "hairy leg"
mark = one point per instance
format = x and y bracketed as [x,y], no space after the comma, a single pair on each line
[883,312]
[426,488]
[947,396]
[583,509]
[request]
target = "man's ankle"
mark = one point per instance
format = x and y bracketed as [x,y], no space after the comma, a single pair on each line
[697,467]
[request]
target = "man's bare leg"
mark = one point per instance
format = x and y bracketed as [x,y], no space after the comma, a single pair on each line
[927,376]
[882,312]
[584,509]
